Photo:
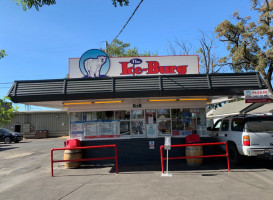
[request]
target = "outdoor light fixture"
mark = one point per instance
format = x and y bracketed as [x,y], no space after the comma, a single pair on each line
[200,99]
[84,103]
[155,100]
[108,102]
[77,103]
[195,99]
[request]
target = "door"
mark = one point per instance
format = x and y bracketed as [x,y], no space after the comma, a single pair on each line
[17,128]
[224,131]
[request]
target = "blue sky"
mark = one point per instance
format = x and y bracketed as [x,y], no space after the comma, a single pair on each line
[39,43]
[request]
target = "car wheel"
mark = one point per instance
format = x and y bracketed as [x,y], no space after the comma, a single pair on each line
[7,140]
[234,156]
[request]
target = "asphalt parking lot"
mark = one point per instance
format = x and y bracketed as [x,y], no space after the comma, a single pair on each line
[25,174]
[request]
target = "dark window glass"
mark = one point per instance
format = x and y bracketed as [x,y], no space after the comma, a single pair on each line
[225,125]
[237,124]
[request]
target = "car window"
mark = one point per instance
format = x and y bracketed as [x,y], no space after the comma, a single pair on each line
[237,124]
[217,125]
[3,130]
[225,125]
[260,126]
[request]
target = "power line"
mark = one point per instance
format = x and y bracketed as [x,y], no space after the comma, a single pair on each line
[6,83]
[127,21]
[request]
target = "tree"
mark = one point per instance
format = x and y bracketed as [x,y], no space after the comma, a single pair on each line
[6,111]
[206,51]
[27,4]
[120,49]
[208,58]
[2,53]
[250,43]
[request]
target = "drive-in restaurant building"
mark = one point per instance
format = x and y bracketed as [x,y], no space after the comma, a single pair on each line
[134,102]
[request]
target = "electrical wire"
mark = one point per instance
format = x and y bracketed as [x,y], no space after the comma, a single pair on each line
[6,83]
[127,21]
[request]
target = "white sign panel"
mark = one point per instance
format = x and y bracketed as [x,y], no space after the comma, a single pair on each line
[257,96]
[167,143]
[95,63]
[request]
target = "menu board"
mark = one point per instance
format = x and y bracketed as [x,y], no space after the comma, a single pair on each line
[90,128]
[102,129]
[77,130]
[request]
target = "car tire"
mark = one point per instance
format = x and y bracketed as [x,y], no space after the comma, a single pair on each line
[7,140]
[234,156]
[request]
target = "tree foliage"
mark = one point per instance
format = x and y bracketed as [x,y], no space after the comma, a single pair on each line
[2,53]
[250,43]
[28,4]
[206,51]
[120,2]
[6,111]
[120,49]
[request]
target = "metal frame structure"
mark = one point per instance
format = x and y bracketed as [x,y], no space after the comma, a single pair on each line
[84,159]
[134,87]
[203,156]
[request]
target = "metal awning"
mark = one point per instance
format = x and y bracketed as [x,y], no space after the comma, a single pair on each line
[227,84]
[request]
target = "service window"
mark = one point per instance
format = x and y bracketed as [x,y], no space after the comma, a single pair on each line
[138,122]
[164,121]
[125,126]
[105,115]
[225,125]
[76,117]
[90,116]
[151,125]
[177,125]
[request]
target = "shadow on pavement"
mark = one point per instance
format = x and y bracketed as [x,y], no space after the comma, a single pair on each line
[210,167]
[6,147]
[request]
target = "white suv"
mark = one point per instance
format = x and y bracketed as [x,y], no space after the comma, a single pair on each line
[246,136]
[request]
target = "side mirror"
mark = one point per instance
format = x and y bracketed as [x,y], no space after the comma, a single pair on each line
[209,128]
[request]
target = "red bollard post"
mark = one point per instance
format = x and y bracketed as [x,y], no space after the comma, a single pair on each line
[116,158]
[227,154]
[51,161]
[161,156]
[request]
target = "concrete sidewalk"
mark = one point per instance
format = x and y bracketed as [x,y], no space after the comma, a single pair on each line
[102,183]
[25,174]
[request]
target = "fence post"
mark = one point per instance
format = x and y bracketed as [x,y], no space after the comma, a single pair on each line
[51,161]
[227,154]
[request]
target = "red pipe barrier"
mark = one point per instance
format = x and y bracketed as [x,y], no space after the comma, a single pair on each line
[85,159]
[199,144]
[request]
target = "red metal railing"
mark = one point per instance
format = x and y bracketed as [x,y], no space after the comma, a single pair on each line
[85,159]
[203,156]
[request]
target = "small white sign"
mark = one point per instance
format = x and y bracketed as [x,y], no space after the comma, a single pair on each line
[257,96]
[167,144]
[151,144]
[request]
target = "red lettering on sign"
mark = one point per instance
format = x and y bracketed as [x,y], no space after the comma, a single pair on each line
[138,70]
[153,67]
[182,69]
[124,68]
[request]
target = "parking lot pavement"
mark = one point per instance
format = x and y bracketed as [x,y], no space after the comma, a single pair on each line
[25,174]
